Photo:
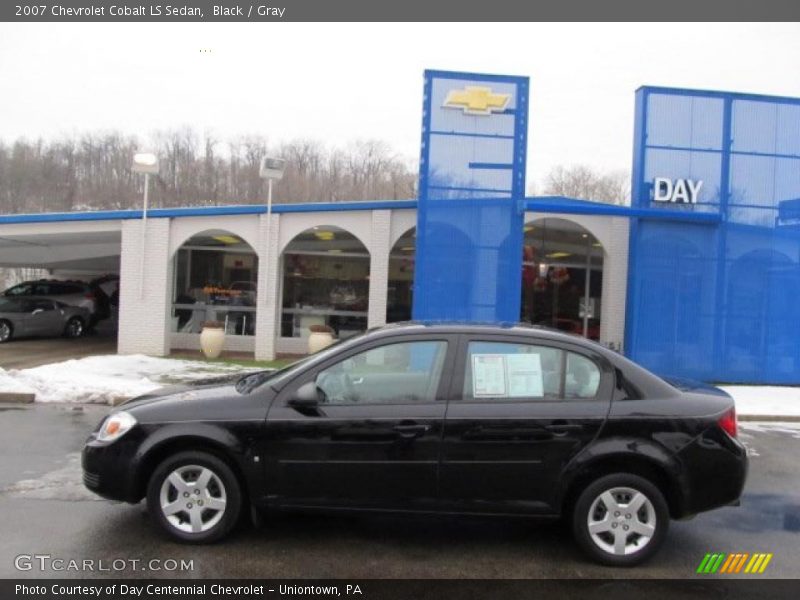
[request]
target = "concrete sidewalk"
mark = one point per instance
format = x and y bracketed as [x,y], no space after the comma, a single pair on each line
[34,352]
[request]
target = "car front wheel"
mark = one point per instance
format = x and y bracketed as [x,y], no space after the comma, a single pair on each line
[6,331]
[620,519]
[195,497]
[74,328]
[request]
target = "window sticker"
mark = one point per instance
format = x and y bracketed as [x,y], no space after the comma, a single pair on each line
[489,375]
[525,377]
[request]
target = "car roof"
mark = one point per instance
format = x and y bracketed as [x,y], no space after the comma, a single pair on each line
[483,328]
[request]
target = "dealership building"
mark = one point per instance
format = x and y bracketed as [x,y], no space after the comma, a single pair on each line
[698,277]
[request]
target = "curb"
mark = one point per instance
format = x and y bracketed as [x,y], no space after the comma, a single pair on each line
[17,397]
[778,418]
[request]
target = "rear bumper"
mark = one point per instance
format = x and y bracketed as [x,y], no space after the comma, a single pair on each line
[716,467]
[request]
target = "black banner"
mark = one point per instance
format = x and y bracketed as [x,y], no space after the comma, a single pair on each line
[408,10]
[376,589]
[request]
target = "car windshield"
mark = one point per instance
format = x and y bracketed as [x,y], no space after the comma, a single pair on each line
[250,382]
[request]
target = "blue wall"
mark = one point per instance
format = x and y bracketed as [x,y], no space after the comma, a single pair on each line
[717,301]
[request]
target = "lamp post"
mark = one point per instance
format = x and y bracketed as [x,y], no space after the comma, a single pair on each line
[271,169]
[147,163]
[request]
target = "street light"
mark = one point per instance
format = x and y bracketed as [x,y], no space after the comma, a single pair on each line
[271,169]
[147,163]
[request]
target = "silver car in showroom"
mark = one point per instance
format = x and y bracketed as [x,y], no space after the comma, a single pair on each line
[24,317]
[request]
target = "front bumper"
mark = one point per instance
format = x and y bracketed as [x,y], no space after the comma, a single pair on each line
[108,469]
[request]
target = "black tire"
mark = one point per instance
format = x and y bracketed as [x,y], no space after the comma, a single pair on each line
[6,331]
[74,328]
[230,493]
[653,513]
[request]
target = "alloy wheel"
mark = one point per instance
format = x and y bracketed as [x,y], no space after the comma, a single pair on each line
[74,328]
[193,499]
[5,332]
[621,521]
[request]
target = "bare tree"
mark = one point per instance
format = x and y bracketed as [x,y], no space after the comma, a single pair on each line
[92,172]
[585,183]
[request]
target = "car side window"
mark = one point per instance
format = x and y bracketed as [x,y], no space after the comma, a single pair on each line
[511,371]
[42,289]
[23,289]
[582,378]
[397,373]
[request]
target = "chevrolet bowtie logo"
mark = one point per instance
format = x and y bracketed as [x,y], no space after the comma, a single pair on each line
[476,100]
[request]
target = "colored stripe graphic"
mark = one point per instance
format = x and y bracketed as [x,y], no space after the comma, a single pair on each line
[766,562]
[729,562]
[711,562]
[720,562]
[741,562]
[703,563]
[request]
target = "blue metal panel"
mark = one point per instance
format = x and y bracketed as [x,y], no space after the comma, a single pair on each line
[717,301]
[471,190]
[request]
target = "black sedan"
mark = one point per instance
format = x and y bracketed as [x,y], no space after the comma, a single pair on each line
[432,418]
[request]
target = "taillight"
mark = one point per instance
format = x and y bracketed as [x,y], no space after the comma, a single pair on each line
[728,422]
[89,295]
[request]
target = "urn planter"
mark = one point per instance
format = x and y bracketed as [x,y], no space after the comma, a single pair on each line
[212,339]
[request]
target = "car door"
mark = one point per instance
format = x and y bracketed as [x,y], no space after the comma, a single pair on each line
[373,439]
[44,318]
[520,410]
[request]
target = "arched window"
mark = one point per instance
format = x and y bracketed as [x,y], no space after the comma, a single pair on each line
[214,279]
[325,282]
[562,277]
[401,277]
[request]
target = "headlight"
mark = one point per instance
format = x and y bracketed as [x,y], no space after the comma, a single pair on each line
[115,426]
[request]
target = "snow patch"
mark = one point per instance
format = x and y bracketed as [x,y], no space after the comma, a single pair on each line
[108,379]
[768,400]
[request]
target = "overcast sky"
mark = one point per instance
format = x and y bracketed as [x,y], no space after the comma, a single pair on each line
[341,82]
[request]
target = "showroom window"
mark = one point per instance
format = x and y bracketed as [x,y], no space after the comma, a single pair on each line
[325,282]
[562,277]
[215,279]
[401,278]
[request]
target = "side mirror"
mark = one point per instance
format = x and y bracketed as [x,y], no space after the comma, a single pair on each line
[306,396]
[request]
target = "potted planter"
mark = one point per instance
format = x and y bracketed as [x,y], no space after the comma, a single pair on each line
[212,339]
[321,336]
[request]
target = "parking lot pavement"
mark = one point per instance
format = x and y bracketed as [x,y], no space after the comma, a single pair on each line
[32,352]
[47,511]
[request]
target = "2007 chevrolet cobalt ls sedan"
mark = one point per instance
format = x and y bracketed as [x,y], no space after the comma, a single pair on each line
[432,418]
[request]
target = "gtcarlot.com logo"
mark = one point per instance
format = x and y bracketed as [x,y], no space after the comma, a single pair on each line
[737,562]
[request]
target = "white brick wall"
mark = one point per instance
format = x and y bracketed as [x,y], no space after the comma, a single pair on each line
[269,287]
[379,267]
[144,297]
[144,318]
[615,284]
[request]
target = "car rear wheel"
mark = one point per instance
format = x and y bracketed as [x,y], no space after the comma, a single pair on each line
[620,519]
[195,497]
[74,328]
[6,331]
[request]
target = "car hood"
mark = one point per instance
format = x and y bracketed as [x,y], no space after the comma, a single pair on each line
[197,391]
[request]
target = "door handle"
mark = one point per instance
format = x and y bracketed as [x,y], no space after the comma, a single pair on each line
[411,431]
[563,428]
